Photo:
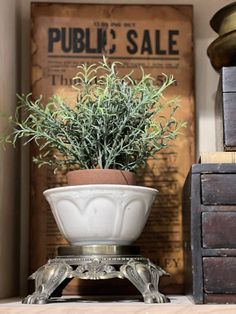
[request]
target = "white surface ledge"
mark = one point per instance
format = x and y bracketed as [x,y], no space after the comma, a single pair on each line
[178,305]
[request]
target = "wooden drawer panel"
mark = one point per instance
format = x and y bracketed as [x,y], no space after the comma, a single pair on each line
[225,110]
[229,104]
[228,78]
[223,298]
[219,229]
[219,274]
[218,189]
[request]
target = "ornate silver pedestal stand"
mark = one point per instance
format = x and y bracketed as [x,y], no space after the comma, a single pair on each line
[97,262]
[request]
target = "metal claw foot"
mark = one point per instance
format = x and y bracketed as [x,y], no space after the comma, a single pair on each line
[47,279]
[36,298]
[145,277]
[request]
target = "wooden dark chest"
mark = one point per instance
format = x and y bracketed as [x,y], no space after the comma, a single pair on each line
[209,215]
[226,110]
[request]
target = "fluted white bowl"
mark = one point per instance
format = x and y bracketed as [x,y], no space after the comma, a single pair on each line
[101,214]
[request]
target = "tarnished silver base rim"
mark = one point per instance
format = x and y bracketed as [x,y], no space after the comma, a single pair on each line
[98,250]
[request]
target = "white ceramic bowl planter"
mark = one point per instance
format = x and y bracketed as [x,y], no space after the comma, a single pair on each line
[101,214]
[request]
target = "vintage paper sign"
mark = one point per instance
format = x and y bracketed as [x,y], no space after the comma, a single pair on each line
[157,38]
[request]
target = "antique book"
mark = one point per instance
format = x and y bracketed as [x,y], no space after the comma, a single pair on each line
[157,38]
[218,157]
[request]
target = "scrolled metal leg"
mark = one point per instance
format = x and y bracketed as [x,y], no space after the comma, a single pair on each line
[145,277]
[47,279]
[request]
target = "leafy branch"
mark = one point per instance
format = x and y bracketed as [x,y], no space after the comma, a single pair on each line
[116,122]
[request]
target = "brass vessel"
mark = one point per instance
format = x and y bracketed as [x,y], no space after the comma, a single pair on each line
[222,51]
[224,20]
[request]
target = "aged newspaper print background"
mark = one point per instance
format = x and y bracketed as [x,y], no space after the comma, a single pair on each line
[156,37]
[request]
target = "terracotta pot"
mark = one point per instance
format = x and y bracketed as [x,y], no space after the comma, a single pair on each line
[101,176]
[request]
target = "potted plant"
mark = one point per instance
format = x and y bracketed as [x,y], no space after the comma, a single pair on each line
[105,137]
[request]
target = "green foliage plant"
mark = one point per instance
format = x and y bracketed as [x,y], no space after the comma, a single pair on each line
[115,123]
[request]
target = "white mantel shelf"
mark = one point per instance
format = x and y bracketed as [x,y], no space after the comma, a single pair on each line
[178,305]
